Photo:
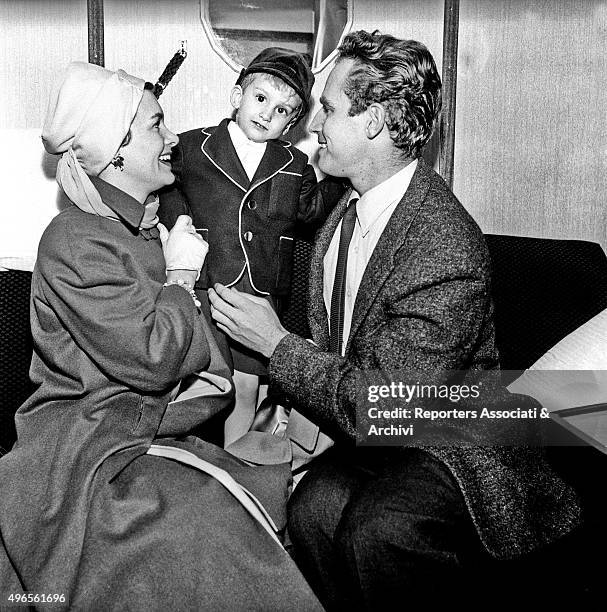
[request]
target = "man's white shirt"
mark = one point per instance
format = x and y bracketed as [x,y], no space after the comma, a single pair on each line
[373,211]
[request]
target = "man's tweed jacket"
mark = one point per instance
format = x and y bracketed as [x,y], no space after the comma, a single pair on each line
[424,305]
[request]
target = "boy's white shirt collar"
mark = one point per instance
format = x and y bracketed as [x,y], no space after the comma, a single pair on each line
[249,152]
[239,138]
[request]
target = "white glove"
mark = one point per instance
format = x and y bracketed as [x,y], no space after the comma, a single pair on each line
[183,248]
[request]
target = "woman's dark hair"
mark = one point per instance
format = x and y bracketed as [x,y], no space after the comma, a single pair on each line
[147,87]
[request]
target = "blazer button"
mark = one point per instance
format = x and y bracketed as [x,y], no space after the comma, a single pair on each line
[248,236]
[252,204]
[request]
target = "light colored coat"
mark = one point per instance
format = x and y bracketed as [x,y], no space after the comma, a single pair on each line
[84,511]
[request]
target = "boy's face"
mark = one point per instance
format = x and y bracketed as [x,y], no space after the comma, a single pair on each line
[264,111]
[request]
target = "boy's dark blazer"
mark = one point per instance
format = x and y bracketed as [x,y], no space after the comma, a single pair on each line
[424,305]
[248,224]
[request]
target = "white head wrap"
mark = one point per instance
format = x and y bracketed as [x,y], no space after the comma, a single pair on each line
[89,114]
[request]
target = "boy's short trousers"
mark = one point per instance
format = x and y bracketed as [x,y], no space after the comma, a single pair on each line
[246,360]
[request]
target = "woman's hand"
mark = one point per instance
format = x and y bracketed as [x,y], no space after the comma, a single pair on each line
[183,248]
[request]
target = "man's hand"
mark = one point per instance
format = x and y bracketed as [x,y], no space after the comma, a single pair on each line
[248,319]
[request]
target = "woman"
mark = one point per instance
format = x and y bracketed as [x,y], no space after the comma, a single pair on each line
[96,511]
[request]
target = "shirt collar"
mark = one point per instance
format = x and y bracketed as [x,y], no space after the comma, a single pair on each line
[374,202]
[240,140]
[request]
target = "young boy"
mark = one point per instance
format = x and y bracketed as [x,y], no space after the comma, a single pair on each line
[245,190]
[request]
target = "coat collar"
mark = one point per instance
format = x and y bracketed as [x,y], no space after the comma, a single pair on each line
[125,206]
[218,148]
[380,264]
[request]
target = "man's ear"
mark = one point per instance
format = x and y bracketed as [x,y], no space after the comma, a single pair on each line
[236,96]
[375,119]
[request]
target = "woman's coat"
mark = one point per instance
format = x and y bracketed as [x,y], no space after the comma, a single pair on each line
[84,511]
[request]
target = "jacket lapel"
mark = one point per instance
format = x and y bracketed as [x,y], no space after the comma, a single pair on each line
[393,237]
[276,157]
[218,148]
[318,317]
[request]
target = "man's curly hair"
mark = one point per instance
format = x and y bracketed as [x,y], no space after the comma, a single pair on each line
[402,76]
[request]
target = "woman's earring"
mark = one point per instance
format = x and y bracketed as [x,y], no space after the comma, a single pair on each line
[118,162]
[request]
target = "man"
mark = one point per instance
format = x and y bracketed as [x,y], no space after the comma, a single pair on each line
[369,526]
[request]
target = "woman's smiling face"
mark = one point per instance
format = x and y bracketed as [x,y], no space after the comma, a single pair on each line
[147,156]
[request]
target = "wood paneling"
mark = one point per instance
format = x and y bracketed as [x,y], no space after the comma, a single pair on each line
[531,136]
[37,40]
[421,20]
[96,23]
[417,19]
[141,37]
[449,78]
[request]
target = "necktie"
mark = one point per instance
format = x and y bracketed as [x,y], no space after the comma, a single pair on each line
[336,322]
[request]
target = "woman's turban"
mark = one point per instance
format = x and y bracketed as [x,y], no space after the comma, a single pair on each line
[89,114]
[91,111]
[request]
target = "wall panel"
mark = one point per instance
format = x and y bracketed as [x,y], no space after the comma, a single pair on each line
[141,37]
[531,135]
[37,38]
[417,19]
[41,36]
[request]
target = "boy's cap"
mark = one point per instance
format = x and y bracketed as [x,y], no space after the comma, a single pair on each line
[292,67]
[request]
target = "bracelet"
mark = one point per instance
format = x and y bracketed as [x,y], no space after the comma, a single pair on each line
[186,285]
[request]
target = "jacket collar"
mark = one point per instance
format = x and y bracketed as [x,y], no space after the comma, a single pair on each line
[217,146]
[318,316]
[380,264]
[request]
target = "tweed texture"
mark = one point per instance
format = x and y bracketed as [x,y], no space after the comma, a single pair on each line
[424,305]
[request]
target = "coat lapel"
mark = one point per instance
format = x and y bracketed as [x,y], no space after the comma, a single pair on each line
[219,149]
[393,237]
[318,319]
